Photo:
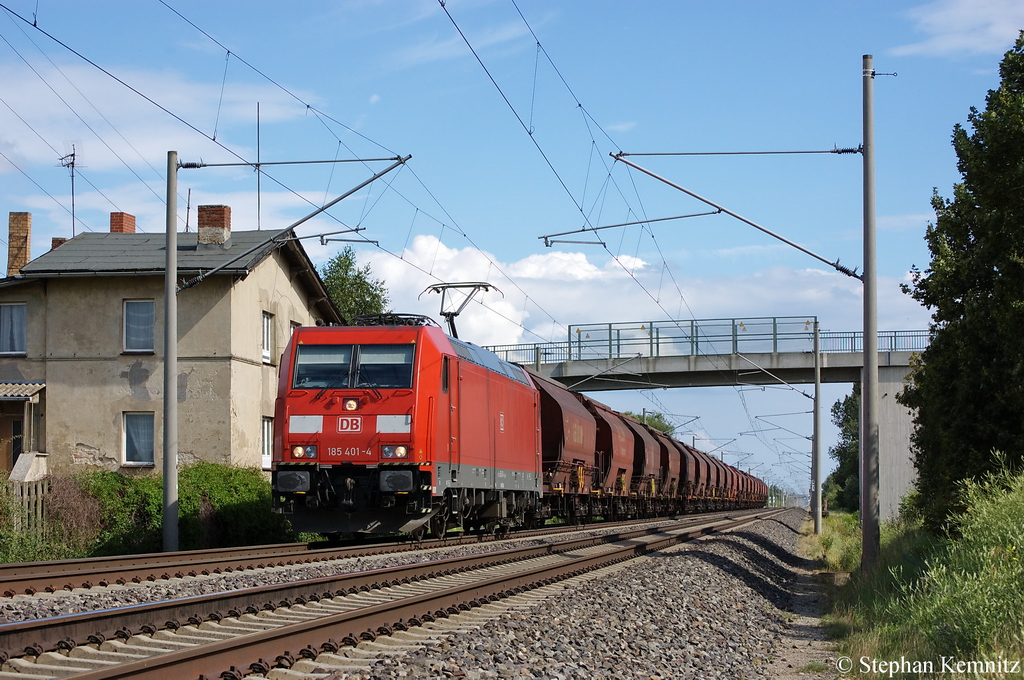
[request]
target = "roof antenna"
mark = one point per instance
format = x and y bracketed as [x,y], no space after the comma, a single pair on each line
[68,161]
[443,288]
[188,208]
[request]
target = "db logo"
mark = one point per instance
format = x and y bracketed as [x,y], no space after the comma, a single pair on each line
[350,424]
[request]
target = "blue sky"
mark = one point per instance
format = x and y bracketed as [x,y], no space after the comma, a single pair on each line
[510,110]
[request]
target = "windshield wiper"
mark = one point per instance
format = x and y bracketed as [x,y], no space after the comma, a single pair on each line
[328,386]
[369,383]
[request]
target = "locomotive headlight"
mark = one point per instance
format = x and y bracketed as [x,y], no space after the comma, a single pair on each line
[304,452]
[350,404]
[394,452]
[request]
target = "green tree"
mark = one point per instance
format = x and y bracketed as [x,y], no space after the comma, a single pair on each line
[652,419]
[968,386]
[353,289]
[842,487]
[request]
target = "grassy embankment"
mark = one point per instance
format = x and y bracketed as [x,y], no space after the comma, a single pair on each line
[105,513]
[931,597]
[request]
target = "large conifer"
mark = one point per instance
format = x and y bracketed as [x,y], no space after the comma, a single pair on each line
[968,387]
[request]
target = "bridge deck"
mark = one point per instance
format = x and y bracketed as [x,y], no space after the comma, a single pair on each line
[710,352]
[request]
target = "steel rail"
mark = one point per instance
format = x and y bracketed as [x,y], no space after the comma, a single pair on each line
[39,635]
[30,578]
[224,659]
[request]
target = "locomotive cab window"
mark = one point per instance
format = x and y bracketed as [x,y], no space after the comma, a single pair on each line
[353,366]
[385,366]
[322,366]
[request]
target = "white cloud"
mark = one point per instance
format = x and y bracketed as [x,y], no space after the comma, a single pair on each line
[965,26]
[432,49]
[747,251]
[620,127]
[918,221]
[549,291]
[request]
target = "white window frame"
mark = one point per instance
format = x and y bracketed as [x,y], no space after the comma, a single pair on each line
[267,442]
[127,416]
[268,337]
[152,326]
[22,333]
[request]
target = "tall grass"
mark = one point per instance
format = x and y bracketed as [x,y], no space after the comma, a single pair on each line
[62,535]
[838,546]
[930,597]
[972,600]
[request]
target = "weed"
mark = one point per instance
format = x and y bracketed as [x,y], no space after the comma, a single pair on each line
[931,597]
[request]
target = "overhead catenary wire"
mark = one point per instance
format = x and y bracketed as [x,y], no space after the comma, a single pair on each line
[322,117]
[835,150]
[77,115]
[319,114]
[593,206]
[536,143]
[195,128]
[144,96]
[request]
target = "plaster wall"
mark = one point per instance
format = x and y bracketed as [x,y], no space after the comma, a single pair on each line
[274,288]
[31,367]
[224,388]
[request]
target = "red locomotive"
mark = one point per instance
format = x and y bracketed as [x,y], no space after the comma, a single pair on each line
[395,426]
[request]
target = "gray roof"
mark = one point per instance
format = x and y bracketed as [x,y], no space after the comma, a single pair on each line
[105,253]
[19,391]
[115,254]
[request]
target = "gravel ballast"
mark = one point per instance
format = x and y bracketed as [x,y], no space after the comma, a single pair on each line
[713,608]
[60,603]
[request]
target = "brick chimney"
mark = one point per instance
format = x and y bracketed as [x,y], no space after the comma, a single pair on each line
[122,223]
[57,241]
[19,241]
[214,225]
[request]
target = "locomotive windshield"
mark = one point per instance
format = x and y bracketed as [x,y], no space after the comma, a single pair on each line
[353,366]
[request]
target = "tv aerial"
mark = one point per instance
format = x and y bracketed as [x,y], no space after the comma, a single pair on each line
[70,161]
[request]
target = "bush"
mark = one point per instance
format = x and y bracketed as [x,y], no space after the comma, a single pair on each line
[105,513]
[223,506]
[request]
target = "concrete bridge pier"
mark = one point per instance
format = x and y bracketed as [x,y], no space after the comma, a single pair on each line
[895,424]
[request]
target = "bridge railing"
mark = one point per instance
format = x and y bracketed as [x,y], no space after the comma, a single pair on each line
[702,337]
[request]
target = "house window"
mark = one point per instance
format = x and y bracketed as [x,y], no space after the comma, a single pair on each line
[138,326]
[268,337]
[268,442]
[292,326]
[138,438]
[12,328]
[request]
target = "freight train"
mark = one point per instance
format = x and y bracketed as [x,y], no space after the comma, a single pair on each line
[393,426]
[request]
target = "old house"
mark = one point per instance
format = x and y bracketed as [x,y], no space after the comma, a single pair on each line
[81,344]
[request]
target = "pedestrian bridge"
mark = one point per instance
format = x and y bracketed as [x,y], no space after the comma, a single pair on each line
[724,352]
[708,352]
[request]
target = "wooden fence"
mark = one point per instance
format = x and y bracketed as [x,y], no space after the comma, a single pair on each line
[29,498]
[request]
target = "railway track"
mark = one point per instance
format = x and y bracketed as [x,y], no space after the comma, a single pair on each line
[29,578]
[311,623]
